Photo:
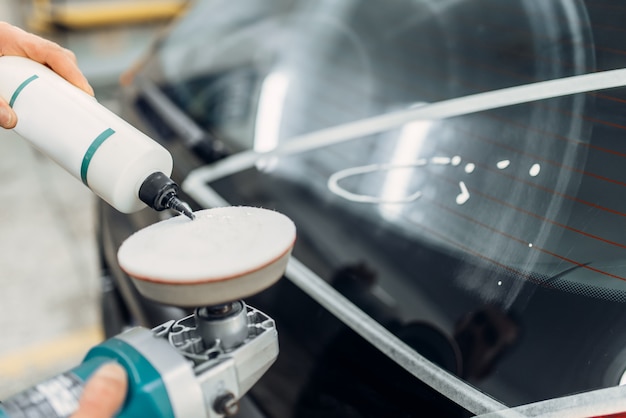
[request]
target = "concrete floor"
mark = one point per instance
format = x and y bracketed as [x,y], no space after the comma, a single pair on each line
[48,262]
[49,272]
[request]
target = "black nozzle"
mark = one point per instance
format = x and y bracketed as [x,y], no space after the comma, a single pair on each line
[160,192]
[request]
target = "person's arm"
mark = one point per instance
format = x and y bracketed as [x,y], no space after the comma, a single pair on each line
[15,41]
[104,393]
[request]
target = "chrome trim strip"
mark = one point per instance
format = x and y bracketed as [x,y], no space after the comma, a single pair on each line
[397,350]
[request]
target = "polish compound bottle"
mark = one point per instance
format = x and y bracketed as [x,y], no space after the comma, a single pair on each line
[116,161]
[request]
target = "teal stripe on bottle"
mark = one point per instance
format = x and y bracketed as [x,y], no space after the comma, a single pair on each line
[84,167]
[21,87]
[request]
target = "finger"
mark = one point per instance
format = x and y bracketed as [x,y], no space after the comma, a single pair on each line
[8,118]
[16,41]
[64,62]
[104,393]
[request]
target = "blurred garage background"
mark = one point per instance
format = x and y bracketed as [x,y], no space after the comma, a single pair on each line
[49,279]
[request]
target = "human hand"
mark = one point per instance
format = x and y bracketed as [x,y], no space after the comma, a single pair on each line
[17,42]
[104,393]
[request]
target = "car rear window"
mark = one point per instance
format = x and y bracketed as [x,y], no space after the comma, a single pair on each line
[503,227]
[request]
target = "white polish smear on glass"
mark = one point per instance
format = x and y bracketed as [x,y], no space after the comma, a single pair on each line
[470,167]
[464,195]
[334,186]
[503,164]
[440,160]
[534,170]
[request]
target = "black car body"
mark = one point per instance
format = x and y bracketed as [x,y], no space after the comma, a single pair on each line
[490,243]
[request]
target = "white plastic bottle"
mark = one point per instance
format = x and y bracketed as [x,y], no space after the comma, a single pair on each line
[109,155]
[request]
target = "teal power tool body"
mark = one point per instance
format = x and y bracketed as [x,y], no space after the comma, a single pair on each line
[198,366]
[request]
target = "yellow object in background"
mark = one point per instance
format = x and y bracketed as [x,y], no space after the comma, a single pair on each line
[47,15]
[69,347]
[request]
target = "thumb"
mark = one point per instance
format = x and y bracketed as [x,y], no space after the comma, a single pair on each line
[104,393]
[8,118]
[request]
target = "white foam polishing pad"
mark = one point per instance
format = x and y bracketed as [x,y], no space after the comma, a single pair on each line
[223,255]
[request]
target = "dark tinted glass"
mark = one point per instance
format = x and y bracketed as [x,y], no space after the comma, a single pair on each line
[503,229]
